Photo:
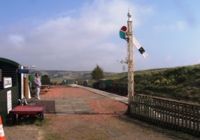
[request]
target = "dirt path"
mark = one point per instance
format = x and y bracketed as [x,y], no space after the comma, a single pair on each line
[83,115]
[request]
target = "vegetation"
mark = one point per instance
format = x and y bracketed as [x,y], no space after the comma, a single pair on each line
[97,73]
[45,80]
[181,83]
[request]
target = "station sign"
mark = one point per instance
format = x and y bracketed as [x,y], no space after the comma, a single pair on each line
[23,71]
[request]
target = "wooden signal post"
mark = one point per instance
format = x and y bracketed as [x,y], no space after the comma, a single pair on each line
[130,61]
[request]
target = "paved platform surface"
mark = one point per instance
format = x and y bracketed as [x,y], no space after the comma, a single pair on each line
[75,101]
[79,114]
[106,94]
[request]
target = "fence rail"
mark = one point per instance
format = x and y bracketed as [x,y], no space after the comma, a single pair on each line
[167,113]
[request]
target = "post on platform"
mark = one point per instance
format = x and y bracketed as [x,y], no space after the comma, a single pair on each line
[130,62]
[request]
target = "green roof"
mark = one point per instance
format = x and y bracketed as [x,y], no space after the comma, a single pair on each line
[9,61]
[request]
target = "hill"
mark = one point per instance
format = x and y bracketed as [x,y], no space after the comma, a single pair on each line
[182,83]
[57,76]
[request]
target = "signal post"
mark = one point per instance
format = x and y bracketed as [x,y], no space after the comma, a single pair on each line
[126,33]
[130,61]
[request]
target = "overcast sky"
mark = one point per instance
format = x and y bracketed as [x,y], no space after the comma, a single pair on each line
[79,34]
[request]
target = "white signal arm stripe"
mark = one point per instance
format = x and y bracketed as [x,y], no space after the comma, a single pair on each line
[136,43]
[145,54]
[138,46]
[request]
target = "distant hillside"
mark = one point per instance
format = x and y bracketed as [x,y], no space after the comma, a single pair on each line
[182,83]
[59,75]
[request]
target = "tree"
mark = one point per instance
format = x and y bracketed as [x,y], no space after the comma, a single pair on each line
[45,80]
[97,73]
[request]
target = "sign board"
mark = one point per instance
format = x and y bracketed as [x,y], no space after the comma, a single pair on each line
[7,82]
[9,101]
[23,71]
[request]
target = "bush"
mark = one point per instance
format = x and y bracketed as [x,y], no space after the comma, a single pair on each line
[45,80]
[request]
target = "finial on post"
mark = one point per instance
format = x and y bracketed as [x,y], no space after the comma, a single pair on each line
[129,16]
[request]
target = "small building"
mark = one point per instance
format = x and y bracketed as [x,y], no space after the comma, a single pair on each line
[10,86]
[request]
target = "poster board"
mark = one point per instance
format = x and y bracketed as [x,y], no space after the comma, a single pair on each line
[9,101]
[7,82]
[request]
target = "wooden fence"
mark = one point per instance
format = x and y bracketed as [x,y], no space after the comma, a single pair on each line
[167,113]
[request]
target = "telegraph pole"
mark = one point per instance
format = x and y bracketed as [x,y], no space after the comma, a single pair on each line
[130,61]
